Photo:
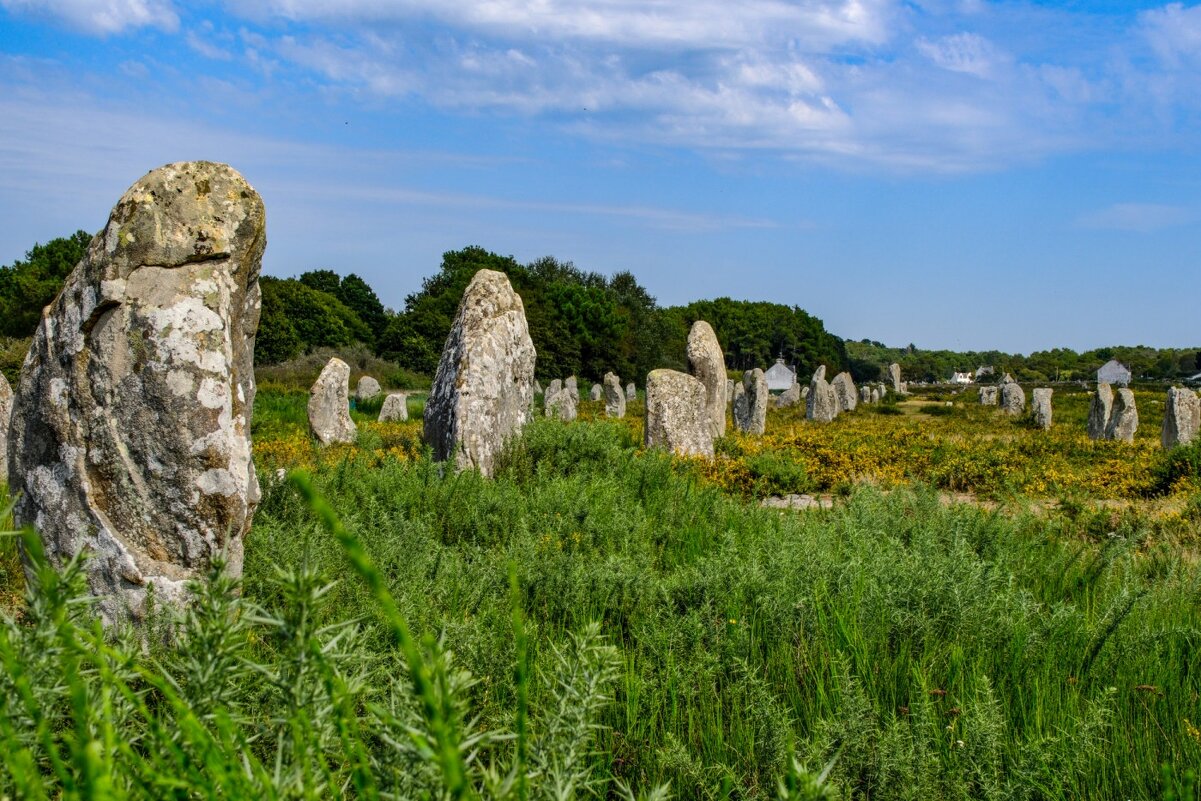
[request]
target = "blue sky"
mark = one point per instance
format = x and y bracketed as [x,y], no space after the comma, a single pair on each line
[952,173]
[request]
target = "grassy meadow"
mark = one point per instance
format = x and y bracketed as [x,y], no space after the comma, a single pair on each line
[599,620]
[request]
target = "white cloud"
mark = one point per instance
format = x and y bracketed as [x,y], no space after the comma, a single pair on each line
[964,52]
[658,23]
[1174,32]
[1138,217]
[101,17]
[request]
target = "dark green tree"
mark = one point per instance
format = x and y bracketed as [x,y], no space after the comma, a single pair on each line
[360,298]
[322,280]
[297,318]
[27,286]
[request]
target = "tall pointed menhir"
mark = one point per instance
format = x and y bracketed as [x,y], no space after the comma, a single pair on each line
[131,421]
[485,381]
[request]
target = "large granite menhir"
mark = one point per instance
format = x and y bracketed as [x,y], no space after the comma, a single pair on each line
[750,402]
[1100,409]
[615,399]
[482,391]
[707,362]
[1181,418]
[6,410]
[329,405]
[821,405]
[131,421]
[676,417]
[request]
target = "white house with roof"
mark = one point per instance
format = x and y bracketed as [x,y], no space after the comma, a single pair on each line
[962,378]
[779,376]
[1113,372]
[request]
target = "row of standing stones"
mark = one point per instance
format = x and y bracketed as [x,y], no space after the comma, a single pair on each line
[1111,415]
[128,435]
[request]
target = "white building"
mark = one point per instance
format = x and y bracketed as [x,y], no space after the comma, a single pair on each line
[779,376]
[1113,372]
[962,378]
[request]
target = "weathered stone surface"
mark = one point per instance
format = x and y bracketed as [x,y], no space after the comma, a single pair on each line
[1012,398]
[876,394]
[485,381]
[988,396]
[561,401]
[631,391]
[865,394]
[894,378]
[844,389]
[571,387]
[130,432]
[537,387]
[1181,419]
[367,388]
[1100,410]
[395,408]
[706,362]
[789,397]
[821,406]
[329,405]
[597,392]
[750,402]
[729,390]
[1041,407]
[615,399]
[676,416]
[1123,420]
[795,501]
[6,410]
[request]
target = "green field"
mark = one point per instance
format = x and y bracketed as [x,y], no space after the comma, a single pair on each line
[599,616]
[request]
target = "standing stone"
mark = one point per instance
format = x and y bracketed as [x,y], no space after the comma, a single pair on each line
[1013,398]
[615,399]
[1181,417]
[395,408]
[130,431]
[1042,407]
[572,388]
[865,394]
[706,362]
[844,389]
[1100,410]
[876,395]
[791,396]
[894,377]
[988,396]
[366,389]
[329,405]
[750,402]
[729,390]
[822,404]
[6,410]
[485,381]
[537,387]
[1123,421]
[676,416]
[559,401]
[631,391]
[597,392]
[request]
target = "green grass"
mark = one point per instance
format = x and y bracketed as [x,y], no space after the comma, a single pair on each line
[622,622]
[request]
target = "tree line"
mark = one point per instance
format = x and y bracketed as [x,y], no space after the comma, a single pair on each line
[581,322]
